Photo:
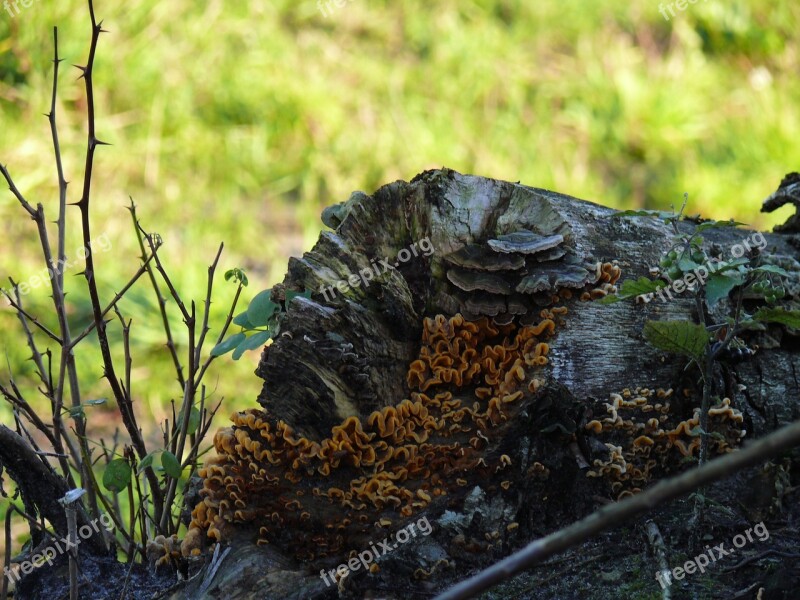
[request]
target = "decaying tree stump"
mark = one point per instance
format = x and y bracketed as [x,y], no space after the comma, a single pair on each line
[451,368]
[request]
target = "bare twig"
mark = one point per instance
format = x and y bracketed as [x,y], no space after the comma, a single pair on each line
[162,301]
[109,371]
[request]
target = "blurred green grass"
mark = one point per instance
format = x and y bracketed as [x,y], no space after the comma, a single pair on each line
[239,122]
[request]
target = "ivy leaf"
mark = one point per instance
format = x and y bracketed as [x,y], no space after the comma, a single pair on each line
[631,288]
[717,225]
[719,286]
[771,269]
[253,342]
[226,346]
[261,309]
[170,464]
[117,475]
[679,337]
[790,318]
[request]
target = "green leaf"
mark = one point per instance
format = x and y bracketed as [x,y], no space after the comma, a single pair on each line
[194,420]
[717,225]
[771,269]
[733,264]
[261,309]
[253,342]
[242,321]
[226,346]
[790,318]
[631,288]
[237,275]
[679,337]
[117,475]
[687,264]
[76,412]
[170,464]
[291,295]
[147,461]
[95,402]
[719,286]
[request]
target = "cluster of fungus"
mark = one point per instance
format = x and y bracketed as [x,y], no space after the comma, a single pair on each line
[318,498]
[508,274]
[644,438]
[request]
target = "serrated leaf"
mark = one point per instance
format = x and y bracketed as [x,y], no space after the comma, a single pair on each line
[227,345]
[170,464]
[719,286]
[678,337]
[253,342]
[261,309]
[687,264]
[791,318]
[194,420]
[717,225]
[242,321]
[631,288]
[610,299]
[117,475]
[733,264]
[771,269]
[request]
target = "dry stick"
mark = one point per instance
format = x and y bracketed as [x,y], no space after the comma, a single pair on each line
[37,357]
[162,301]
[20,403]
[113,304]
[59,435]
[660,551]
[124,401]
[207,310]
[18,308]
[67,367]
[7,558]
[621,512]
[228,321]
[72,528]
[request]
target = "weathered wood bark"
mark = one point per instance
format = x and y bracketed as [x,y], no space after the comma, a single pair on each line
[346,351]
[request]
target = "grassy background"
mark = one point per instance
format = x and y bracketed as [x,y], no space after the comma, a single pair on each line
[239,121]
